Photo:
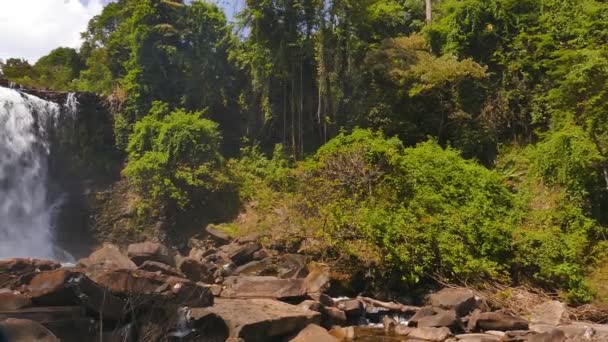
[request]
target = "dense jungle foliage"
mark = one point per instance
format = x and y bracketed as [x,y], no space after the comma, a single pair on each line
[470,146]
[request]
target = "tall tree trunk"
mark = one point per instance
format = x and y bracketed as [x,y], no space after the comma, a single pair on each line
[429,11]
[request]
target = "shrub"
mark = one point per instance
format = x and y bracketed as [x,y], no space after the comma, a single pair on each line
[174,159]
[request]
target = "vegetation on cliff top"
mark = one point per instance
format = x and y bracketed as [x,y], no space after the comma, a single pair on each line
[473,147]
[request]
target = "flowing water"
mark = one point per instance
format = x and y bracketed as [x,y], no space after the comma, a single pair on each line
[26,209]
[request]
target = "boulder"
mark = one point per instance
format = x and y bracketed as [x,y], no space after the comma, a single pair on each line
[263,287]
[284,266]
[196,270]
[20,266]
[150,251]
[152,289]
[441,319]
[576,330]
[334,317]
[531,336]
[67,323]
[241,254]
[15,272]
[314,333]
[205,326]
[218,236]
[425,311]
[495,321]
[23,330]
[318,279]
[312,306]
[155,266]
[63,287]
[551,312]
[462,301]
[343,333]
[10,301]
[258,319]
[477,338]
[430,334]
[108,257]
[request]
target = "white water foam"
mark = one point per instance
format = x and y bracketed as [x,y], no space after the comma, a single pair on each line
[26,213]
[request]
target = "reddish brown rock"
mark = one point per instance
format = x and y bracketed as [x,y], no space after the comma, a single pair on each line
[430,334]
[64,288]
[13,301]
[495,321]
[15,272]
[441,319]
[109,257]
[22,330]
[263,287]
[150,251]
[460,300]
[196,270]
[155,289]
[313,333]
[259,319]
[155,266]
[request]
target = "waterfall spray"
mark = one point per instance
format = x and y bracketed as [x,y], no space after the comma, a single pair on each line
[26,212]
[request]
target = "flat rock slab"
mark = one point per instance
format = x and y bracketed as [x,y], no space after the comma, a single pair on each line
[45,314]
[259,319]
[263,287]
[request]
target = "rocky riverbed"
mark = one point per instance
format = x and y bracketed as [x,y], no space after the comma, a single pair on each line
[236,290]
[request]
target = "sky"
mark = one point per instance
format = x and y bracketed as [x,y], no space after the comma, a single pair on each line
[32,28]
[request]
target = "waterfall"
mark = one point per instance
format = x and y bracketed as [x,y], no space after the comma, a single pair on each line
[26,211]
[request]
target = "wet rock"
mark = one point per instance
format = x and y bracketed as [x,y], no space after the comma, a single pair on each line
[13,301]
[15,272]
[263,287]
[551,312]
[152,289]
[495,321]
[334,317]
[389,324]
[403,330]
[206,327]
[150,251]
[462,301]
[259,319]
[108,257]
[155,266]
[322,298]
[64,288]
[22,330]
[313,333]
[196,270]
[343,333]
[218,236]
[441,319]
[430,334]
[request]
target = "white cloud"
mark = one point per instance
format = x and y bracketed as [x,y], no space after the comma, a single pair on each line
[32,28]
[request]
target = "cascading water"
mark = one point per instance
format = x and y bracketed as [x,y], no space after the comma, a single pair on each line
[26,210]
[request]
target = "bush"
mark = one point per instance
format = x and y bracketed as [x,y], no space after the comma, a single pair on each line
[175,160]
[419,211]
